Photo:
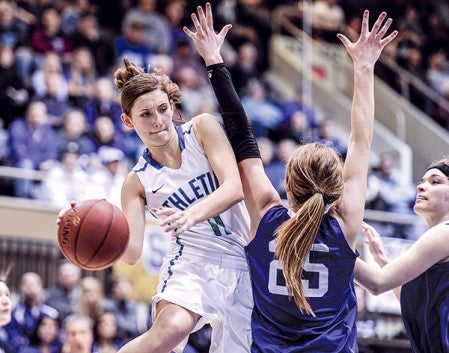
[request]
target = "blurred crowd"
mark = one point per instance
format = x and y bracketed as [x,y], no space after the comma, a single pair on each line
[78,315]
[60,112]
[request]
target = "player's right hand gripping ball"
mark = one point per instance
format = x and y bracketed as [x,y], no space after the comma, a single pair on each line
[93,234]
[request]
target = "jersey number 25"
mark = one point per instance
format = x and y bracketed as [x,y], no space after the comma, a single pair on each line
[320,269]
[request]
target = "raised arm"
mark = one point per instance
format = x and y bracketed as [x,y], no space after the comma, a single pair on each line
[258,190]
[364,53]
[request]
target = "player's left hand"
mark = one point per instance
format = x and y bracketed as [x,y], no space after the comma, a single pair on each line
[374,241]
[173,220]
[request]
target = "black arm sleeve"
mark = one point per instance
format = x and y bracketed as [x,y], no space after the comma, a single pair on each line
[235,121]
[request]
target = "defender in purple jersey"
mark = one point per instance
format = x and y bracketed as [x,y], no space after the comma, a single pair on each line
[302,261]
[422,271]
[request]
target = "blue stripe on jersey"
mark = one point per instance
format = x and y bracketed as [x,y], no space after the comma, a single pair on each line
[278,325]
[143,168]
[182,145]
[172,262]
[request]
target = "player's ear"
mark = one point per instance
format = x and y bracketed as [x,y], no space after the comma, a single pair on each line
[127,120]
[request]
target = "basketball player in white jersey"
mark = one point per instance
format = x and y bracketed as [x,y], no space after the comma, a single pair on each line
[188,177]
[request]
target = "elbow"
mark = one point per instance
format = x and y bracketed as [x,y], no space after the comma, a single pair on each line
[131,255]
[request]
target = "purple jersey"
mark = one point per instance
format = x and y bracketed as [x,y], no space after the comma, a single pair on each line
[277,323]
[425,310]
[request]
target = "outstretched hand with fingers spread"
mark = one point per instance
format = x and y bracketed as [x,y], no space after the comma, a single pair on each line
[207,42]
[366,50]
[375,245]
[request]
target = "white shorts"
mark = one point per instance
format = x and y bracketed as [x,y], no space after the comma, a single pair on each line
[221,295]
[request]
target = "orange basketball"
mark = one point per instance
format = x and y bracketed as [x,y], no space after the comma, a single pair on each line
[93,234]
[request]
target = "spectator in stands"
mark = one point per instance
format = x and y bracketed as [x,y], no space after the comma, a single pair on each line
[105,333]
[175,12]
[255,15]
[51,66]
[414,65]
[120,303]
[131,44]
[65,181]
[73,134]
[326,134]
[103,102]
[14,95]
[274,168]
[57,105]
[71,13]
[81,76]
[78,335]
[263,113]
[5,312]
[185,56]
[297,128]
[194,92]
[64,294]
[33,144]
[301,103]
[13,31]
[105,134]
[45,337]
[156,31]
[438,71]
[91,300]
[108,178]
[328,19]
[246,66]
[386,190]
[5,300]
[90,35]
[28,311]
[48,37]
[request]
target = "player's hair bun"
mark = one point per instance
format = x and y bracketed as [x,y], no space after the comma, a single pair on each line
[123,74]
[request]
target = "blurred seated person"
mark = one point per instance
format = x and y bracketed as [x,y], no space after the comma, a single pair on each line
[386,191]
[64,293]
[107,179]
[296,128]
[263,113]
[73,134]
[81,75]
[300,103]
[90,35]
[45,337]
[131,44]
[51,66]
[78,335]
[326,134]
[105,333]
[120,303]
[185,56]
[105,134]
[245,67]
[103,102]
[56,105]
[33,144]
[14,95]
[328,19]
[47,37]
[194,92]
[65,181]
[28,311]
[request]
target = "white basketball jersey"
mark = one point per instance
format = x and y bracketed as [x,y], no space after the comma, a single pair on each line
[218,239]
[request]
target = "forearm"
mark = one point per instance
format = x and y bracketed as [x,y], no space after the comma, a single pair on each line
[362,114]
[224,197]
[236,123]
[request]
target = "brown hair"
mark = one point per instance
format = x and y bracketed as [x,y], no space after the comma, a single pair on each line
[133,81]
[314,179]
